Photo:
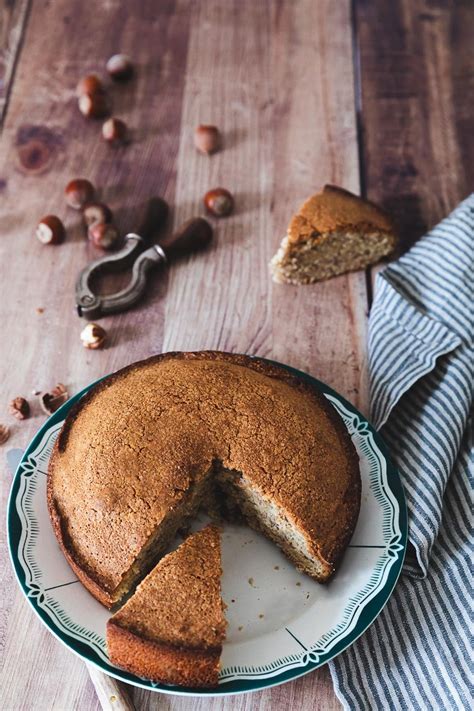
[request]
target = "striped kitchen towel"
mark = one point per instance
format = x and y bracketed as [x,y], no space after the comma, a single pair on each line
[418,653]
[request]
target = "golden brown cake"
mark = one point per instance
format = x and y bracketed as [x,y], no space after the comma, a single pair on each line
[172,628]
[333,232]
[138,455]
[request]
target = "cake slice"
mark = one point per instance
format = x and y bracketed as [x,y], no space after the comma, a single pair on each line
[333,232]
[172,629]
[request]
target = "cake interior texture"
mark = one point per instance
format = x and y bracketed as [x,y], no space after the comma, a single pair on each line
[335,253]
[178,518]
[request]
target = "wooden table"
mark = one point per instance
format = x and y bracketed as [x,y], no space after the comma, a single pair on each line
[373,96]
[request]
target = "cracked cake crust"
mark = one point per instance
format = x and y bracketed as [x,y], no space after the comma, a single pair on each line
[135,446]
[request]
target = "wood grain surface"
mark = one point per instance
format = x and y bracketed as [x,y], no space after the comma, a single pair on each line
[296,111]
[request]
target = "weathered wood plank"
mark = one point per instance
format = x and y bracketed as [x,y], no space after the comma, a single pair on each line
[417,92]
[46,142]
[13,20]
[277,78]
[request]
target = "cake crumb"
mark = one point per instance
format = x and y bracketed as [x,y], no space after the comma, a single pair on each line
[298,584]
[261,616]
[240,628]
[39,310]
[233,600]
[276,567]
[251,581]
[307,595]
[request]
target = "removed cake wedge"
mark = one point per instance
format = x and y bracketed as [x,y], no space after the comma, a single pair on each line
[172,629]
[333,232]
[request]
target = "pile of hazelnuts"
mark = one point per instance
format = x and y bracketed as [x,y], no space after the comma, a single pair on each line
[80,195]
[93,102]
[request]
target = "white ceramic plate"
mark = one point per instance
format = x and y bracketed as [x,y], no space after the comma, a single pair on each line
[281,624]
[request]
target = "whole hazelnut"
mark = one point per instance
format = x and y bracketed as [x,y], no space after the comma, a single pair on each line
[207,139]
[20,408]
[96,212]
[114,131]
[120,67]
[94,105]
[93,336]
[103,235]
[219,202]
[79,192]
[50,230]
[90,85]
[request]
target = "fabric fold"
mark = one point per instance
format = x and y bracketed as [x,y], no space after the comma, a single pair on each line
[416,655]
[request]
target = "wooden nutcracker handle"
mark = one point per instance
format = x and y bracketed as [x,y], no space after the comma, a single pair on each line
[195,234]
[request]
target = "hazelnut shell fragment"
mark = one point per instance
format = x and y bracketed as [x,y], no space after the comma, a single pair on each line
[93,336]
[219,202]
[20,408]
[50,230]
[4,433]
[53,400]
[78,193]
[207,139]
[120,67]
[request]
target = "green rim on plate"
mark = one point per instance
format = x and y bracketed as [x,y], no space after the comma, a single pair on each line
[22,530]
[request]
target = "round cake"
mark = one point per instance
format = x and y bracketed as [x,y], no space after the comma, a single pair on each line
[148,446]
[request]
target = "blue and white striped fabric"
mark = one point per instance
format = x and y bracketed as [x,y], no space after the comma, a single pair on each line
[418,653]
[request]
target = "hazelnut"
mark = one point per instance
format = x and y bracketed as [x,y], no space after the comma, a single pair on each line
[219,202]
[93,336]
[94,105]
[19,408]
[207,139]
[79,192]
[103,235]
[53,400]
[120,67]
[4,433]
[96,212]
[114,131]
[50,230]
[90,85]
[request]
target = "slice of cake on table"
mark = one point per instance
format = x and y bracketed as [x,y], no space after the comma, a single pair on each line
[333,232]
[172,629]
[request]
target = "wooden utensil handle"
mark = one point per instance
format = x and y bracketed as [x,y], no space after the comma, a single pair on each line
[193,235]
[111,693]
[154,219]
